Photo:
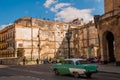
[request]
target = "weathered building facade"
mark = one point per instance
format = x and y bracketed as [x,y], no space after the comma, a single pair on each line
[108,28]
[36,38]
[86,42]
[7,39]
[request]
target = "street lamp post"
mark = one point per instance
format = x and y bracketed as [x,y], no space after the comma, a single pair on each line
[68,37]
[38,45]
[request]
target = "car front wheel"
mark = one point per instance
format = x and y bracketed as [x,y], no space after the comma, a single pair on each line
[56,72]
[76,75]
[88,75]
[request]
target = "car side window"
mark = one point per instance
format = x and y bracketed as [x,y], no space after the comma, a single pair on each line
[70,62]
[81,62]
[77,62]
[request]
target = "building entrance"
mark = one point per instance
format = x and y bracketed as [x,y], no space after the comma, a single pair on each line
[110,46]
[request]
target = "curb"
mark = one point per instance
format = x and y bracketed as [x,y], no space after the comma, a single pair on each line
[108,72]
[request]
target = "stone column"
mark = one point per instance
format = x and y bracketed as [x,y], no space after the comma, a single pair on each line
[117,50]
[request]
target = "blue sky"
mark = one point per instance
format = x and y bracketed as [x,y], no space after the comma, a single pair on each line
[62,10]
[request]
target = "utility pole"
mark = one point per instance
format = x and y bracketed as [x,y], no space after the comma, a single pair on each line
[68,37]
[31,40]
[39,45]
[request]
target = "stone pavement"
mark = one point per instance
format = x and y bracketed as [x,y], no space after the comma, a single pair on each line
[19,78]
[108,68]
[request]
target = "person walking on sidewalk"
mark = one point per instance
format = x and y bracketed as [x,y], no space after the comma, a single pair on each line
[24,61]
[37,61]
[99,60]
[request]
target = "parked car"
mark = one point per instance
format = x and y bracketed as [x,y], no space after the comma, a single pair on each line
[75,67]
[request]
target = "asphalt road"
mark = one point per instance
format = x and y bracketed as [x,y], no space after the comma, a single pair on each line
[44,72]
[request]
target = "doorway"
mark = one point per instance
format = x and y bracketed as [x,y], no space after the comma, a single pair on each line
[110,46]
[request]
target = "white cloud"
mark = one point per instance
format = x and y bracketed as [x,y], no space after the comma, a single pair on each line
[5,25]
[70,13]
[48,3]
[65,11]
[59,6]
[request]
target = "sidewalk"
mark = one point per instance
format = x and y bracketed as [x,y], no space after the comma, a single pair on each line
[109,68]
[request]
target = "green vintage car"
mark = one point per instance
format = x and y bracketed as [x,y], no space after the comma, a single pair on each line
[75,67]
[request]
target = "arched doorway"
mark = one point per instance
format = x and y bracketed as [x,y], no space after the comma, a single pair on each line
[108,46]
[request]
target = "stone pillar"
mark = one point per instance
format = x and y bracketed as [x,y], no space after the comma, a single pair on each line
[95,51]
[117,50]
[103,49]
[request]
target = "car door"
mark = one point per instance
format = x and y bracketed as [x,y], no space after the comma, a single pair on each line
[66,65]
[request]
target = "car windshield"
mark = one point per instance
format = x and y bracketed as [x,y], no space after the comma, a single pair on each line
[81,62]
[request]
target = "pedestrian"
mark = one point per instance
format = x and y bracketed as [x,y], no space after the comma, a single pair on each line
[37,61]
[49,60]
[43,60]
[99,60]
[1,62]
[24,60]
